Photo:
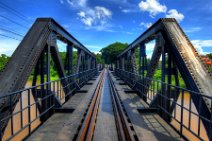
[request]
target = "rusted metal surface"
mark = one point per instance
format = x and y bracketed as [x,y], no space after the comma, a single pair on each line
[124,126]
[87,129]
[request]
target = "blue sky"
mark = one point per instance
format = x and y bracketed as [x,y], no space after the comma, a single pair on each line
[97,23]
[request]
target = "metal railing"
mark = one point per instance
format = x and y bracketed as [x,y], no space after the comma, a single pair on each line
[39,101]
[173,102]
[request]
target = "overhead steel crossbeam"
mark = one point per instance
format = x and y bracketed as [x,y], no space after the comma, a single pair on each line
[177,51]
[64,35]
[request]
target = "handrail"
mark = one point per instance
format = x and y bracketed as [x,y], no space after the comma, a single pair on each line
[45,100]
[160,98]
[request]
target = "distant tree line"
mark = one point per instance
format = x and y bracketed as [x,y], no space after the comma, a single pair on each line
[110,52]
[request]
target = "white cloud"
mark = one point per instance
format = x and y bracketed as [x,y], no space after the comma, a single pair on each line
[199,44]
[153,7]
[129,10]
[147,25]
[81,14]
[77,3]
[173,13]
[61,1]
[102,27]
[126,10]
[66,26]
[87,21]
[96,18]
[127,6]
[102,12]
[92,17]
[127,32]
[82,2]
[193,29]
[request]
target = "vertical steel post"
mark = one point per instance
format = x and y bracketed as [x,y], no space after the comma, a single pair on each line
[42,69]
[42,80]
[69,56]
[163,79]
[42,77]
[169,73]
[48,56]
[122,63]
[78,65]
[139,61]
[36,71]
[142,59]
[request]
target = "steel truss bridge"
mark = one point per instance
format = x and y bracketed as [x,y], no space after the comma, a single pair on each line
[173,54]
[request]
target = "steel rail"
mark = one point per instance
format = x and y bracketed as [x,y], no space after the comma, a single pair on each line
[87,129]
[124,126]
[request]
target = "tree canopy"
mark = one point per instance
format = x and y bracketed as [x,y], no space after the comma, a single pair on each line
[3,61]
[210,55]
[110,52]
[99,59]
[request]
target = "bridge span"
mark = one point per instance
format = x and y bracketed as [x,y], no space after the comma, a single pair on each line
[87,102]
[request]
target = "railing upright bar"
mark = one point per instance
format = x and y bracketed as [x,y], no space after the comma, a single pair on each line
[11,112]
[181,119]
[48,100]
[199,116]
[21,107]
[29,112]
[36,103]
[189,116]
[164,97]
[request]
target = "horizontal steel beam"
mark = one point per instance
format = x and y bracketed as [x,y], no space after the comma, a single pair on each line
[148,35]
[64,35]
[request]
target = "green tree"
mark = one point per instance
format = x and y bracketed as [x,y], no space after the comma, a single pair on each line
[3,61]
[210,55]
[99,59]
[110,52]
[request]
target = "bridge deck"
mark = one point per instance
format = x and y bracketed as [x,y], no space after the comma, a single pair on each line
[63,126]
[148,126]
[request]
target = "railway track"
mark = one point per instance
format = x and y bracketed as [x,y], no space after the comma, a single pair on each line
[124,128]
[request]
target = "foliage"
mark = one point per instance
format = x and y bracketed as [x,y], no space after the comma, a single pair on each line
[210,69]
[99,59]
[110,52]
[210,55]
[3,61]
[53,69]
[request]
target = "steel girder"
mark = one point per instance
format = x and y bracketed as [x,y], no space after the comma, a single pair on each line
[192,69]
[41,36]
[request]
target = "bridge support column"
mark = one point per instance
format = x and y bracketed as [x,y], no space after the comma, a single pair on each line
[69,59]
[43,69]
[168,69]
[129,67]
[142,60]
[133,62]
[122,63]
[79,61]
